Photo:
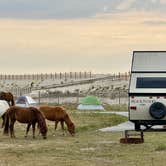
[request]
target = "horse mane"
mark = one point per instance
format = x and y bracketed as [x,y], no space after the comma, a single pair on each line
[69,123]
[40,118]
[12,98]
[67,119]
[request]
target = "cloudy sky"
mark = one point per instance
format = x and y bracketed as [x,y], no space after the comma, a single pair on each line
[47,36]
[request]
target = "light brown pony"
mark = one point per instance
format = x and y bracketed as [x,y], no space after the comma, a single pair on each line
[29,115]
[7,96]
[58,114]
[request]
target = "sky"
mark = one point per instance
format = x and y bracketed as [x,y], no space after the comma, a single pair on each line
[48,36]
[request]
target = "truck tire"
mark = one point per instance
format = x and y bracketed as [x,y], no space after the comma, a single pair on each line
[157,110]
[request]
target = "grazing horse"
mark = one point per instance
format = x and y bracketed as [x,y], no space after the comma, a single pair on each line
[29,115]
[7,96]
[57,113]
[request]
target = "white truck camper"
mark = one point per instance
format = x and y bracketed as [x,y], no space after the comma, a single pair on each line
[147,89]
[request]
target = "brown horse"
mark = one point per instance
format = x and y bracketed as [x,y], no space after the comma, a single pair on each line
[29,115]
[58,114]
[7,96]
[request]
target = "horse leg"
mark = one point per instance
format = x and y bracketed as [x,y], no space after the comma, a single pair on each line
[12,134]
[38,129]
[62,126]
[33,129]
[56,124]
[27,130]
[3,120]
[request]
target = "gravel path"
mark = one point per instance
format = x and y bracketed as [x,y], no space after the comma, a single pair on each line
[125,126]
[121,127]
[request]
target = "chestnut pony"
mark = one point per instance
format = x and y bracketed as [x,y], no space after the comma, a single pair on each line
[28,115]
[58,114]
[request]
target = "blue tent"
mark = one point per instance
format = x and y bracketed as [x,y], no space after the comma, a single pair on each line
[25,101]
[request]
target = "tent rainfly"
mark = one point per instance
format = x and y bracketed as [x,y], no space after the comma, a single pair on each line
[90,103]
[25,101]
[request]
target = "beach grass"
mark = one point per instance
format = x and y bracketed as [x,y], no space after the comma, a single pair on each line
[88,147]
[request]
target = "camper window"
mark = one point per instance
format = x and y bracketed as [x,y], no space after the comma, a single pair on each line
[151,82]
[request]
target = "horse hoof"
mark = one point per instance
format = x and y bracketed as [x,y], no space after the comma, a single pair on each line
[72,135]
[13,137]
[63,134]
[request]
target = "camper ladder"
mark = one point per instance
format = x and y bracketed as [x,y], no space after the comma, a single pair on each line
[132,136]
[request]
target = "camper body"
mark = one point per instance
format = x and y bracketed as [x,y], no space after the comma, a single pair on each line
[147,89]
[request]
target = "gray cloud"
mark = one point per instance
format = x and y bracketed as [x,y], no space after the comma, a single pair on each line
[53,8]
[154,23]
[64,9]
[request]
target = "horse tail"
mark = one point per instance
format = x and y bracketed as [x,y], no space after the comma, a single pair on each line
[6,128]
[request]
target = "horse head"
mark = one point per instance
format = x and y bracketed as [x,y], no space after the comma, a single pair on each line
[43,131]
[8,96]
[71,128]
[42,124]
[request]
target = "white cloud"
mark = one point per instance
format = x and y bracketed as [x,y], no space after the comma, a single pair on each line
[163,2]
[154,1]
[105,8]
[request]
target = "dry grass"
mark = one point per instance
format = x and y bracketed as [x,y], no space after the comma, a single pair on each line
[89,147]
[116,107]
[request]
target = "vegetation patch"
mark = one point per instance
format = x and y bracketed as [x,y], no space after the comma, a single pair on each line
[161,147]
[116,107]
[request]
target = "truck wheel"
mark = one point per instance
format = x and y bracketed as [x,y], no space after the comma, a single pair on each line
[157,110]
[137,126]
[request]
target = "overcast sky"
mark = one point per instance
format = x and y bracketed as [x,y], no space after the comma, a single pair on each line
[62,9]
[75,35]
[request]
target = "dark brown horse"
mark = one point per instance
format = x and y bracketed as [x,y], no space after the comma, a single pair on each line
[58,114]
[28,115]
[7,96]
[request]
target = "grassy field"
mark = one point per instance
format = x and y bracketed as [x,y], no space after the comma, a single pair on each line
[89,147]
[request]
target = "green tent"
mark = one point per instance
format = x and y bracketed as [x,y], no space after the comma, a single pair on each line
[90,103]
[90,100]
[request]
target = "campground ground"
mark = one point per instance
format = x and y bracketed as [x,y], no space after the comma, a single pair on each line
[89,146]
